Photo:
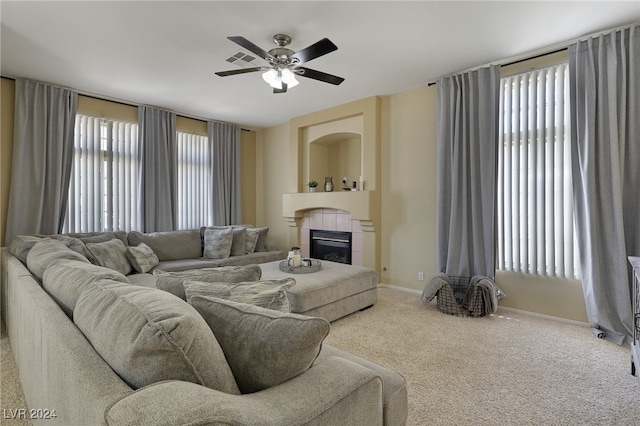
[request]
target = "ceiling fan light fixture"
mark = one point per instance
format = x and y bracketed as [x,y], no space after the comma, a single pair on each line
[270,76]
[289,78]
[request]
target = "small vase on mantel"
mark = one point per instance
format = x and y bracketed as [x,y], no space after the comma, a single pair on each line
[328,184]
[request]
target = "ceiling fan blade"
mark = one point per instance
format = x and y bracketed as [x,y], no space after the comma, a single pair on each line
[251,47]
[239,71]
[319,75]
[283,90]
[316,50]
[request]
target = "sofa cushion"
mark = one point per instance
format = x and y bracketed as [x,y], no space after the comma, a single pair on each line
[65,279]
[111,254]
[47,251]
[99,236]
[142,258]
[270,294]
[173,282]
[264,347]
[170,245]
[147,336]
[217,243]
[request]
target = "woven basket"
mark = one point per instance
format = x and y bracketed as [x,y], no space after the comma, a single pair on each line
[450,298]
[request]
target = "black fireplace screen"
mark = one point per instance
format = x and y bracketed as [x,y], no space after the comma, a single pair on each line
[334,246]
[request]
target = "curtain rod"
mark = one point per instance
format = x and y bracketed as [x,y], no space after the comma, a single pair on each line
[560,46]
[541,55]
[118,101]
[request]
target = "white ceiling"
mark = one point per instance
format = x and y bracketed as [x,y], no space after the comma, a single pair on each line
[165,53]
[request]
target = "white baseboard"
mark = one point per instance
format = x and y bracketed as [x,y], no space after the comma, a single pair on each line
[519,311]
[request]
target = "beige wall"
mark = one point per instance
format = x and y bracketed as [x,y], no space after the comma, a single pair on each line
[408,213]
[272,180]
[248,175]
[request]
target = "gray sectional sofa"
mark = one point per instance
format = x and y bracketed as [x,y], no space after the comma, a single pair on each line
[95,347]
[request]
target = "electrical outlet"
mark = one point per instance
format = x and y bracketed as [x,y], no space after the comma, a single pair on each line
[420,276]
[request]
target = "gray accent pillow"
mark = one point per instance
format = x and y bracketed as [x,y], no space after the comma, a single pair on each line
[251,240]
[170,245]
[147,336]
[173,282]
[65,279]
[217,243]
[45,252]
[238,242]
[111,254]
[261,244]
[268,294]
[22,244]
[74,244]
[264,347]
[142,258]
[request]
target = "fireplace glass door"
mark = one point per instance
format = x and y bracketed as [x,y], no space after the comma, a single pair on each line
[334,246]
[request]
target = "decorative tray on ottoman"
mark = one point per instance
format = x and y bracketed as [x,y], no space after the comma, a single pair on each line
[314,267]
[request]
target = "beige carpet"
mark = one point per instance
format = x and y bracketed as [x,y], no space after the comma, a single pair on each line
[11,396]
[508,369]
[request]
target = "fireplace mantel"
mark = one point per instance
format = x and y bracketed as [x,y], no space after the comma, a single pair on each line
[361,204]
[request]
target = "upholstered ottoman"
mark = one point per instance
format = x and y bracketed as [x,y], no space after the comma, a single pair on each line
[331,293]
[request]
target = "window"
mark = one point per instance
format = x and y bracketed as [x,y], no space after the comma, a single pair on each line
[535,207]
[103,191]
[194,181]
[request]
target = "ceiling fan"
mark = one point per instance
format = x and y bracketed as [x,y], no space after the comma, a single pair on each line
[284,63]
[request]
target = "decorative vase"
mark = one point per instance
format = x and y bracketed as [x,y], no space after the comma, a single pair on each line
[328,184]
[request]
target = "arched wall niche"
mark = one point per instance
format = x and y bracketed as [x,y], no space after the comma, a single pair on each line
[338,155]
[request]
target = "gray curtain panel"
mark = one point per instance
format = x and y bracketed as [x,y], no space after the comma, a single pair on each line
[225,161]
[605,115]
[158,175]
[468,107]
[42,158]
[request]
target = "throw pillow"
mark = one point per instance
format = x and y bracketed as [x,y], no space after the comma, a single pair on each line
[142,258]
[111,254]
[47,251]
[147,336]
[173,282]
[261,244]
[65,279]
[22,244]
[251,240]
[238,241]
[270,294]
[217,243]
[74,244]
[264,347]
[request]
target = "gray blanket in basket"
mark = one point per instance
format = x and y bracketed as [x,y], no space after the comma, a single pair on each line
[433,286]
[491,293]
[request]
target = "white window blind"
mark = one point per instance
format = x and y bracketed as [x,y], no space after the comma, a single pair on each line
[535,207]
[194,181]
[103,192]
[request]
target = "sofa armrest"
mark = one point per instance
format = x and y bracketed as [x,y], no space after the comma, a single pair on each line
[333,392]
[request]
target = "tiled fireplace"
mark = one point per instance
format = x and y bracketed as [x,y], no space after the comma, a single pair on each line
[331,220]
